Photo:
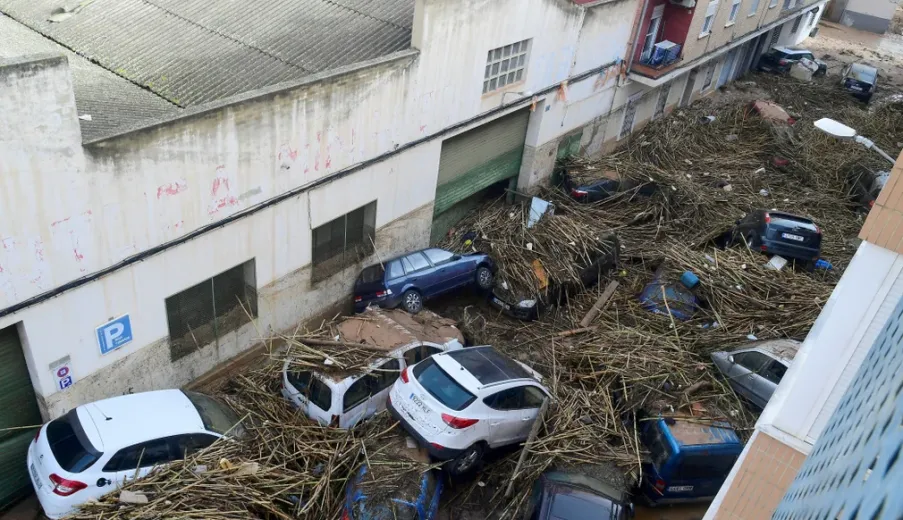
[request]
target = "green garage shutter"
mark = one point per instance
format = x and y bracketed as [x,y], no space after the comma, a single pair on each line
[479,158]
[18,408]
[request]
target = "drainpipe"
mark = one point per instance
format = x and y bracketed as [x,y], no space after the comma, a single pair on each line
[635,34]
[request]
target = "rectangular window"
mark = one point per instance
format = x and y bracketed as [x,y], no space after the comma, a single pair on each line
[735,8]
[796,25]
[506,65]
[789,4]
[629,115]
[753,7]
[709,18]
[202,314]
[709,74]
[343,242]
[662,101]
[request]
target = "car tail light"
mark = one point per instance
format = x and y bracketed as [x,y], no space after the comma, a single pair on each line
[334,422]
[345,515]
[458,422]
[37,434]
[767,218]
[578,194]
[871,204]
[763,247]
[357,299]
[782,62]
[65,487]
[404,375]
[437,445]
[817,230]
[660,485]
[380,294]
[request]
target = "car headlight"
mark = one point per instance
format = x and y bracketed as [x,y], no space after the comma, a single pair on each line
[527,304]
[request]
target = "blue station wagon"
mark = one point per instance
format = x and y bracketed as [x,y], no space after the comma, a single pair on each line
[407,281]
[688,461]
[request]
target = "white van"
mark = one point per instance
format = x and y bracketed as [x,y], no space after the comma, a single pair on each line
[337,397]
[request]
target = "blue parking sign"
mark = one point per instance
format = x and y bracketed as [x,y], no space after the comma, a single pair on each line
[114,334]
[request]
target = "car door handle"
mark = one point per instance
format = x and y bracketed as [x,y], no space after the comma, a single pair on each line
[527,418]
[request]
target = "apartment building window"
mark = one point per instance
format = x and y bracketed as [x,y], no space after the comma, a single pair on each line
[629,115]
[796,25]
[753,7]
[505,65]
[662,101]
[773,3]
[789,4]
[202,314]
[709,18]
[655,24]
[735,9]
[343,241]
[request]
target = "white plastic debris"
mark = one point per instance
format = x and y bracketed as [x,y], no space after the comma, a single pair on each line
[481,484]
[328,362]
[410,442]
[529,246]
[504,285]
[776,263]
[673,188]
[85,117]
[727,187]
[130,497]
[710,259]
[538,209]
[751,337]
[247,468]
[200,468]
[760,170]
[763,192]
[742,266]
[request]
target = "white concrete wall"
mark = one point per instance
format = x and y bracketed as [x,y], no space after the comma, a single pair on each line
[877,8]
[69,211]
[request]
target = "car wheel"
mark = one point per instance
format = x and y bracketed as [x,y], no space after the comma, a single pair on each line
[411,301]
[466,461]
[484,278]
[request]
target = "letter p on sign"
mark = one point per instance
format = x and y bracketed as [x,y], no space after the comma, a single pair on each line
[114,334]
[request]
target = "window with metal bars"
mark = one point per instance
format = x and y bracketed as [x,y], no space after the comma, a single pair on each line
[343,241]
[202,314]
[506,65]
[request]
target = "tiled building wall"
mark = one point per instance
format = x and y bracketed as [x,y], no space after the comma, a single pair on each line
[884,225]
[761,481]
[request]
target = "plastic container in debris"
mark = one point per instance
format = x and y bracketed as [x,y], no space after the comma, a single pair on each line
[823,264]
[689,280]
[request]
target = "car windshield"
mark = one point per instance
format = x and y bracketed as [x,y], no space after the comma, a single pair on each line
[216,416]
[372,274]
[441,386]
[658,446]
[310,386]
[863,73]
[69,444]
[791,221]
[580,504]
[779,54]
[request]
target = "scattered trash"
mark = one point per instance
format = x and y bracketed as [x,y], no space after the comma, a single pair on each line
[538,208]
[247,468]
[541,274]
[85,117]
[760,170]
[763,192]
[529,246]
[689,279]
[776,263]
[710,259]
[707,119]
[780,162]
[823,264]
[727,187]
[130,497]
[751,337]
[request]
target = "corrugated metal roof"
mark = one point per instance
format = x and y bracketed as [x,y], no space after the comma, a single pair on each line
[195,51]
[111,101]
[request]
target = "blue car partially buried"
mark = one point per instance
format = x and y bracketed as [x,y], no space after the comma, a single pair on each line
[418,501]
[408,280]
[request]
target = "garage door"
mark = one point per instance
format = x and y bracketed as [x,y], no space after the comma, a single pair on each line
[18,409]
[474,161]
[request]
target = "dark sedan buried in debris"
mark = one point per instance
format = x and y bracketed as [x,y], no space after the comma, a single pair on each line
[408,280]
[780,59]
[784,234]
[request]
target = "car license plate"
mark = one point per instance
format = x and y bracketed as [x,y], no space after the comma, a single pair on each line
[790,236]
[679,489]
[501,303]
[422,407]
[34,477]
[856,87]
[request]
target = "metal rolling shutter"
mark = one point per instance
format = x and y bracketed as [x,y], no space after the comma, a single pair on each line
[18,408]
[479,158]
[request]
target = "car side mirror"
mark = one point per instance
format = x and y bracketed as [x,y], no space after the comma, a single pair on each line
[456,258]
[731,359]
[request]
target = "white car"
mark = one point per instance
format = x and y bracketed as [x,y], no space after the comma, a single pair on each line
[94,448]
[459,404]
[343,399]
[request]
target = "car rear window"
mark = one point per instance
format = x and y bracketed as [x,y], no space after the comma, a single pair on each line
[69,444]
[216,416]
[441,386]
[371,274]
[792,221]
[312,388]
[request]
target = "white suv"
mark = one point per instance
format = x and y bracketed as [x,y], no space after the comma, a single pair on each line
[96,447]
[344,398]
[460,403]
